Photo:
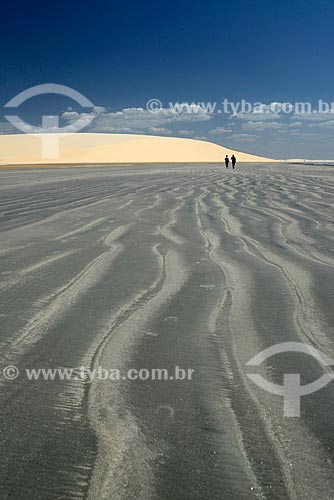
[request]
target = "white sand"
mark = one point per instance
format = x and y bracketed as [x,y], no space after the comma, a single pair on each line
[24,149]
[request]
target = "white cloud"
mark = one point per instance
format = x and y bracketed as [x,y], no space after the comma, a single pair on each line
[260,112]
[70,115]
[99,109]
[313,117]
[132,119]
[186,132]
[329,124]
[260,126]
[220,130]
[257,116]
[295,124]
[244,137]
[7,128]
[276,106]
[79,121]
[312,136]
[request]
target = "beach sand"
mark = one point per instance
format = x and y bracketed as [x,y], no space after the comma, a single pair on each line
[151,267]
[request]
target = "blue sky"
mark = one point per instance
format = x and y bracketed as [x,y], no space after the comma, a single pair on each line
[121,54]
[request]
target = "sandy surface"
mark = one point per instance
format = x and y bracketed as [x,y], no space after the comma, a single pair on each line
[22,149]
[157,267]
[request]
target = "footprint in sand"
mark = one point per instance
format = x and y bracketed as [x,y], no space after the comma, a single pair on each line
[151,334]
[164,409]
[171,319]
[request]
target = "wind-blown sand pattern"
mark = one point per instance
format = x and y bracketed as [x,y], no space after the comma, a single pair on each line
[156,267]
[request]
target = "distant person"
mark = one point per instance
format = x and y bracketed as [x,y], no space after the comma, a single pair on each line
[233,160]
[227,161]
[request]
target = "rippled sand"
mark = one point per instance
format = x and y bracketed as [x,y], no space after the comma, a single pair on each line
[156,267]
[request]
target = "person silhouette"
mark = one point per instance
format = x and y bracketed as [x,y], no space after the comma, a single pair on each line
[234,161]
[227,161]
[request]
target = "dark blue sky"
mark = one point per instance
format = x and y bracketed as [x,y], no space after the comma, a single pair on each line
[120,54]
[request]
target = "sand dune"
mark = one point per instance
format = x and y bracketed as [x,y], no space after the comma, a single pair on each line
[23,149]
